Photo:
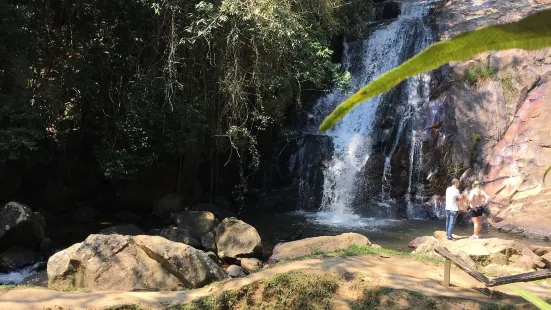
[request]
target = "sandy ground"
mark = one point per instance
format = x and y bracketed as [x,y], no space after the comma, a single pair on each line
[392,272]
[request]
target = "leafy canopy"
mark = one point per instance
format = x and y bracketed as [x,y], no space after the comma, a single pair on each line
[530,33]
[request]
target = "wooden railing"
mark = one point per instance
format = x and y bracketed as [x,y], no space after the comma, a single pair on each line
[523,277]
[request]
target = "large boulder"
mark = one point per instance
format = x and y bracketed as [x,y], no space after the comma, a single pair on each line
[125,263]
[198,223]
[167,205]
[20,227]
[177,234]
[310,246]
[235,238]
[129,230]
[15,258]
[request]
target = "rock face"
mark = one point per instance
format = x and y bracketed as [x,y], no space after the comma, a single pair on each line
[130,230]
[177,234]
[20,227]
[494,111]
[124,263]
[198,223]
[310,246]
[235,238]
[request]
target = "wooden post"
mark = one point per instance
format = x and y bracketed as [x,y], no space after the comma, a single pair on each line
[447,272]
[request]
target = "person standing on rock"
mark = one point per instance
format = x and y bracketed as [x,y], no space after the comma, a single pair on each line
[477,200]
[452,197]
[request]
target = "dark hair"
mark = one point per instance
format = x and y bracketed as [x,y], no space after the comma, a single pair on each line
[455,181]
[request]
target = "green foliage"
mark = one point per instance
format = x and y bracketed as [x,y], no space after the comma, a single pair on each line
[533,299]
[478,74]
[130,85]
[497,306]
[530,33]
[475,143]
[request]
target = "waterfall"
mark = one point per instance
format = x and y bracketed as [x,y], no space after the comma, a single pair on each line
[388,45]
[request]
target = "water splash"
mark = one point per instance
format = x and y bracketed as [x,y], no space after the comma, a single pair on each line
[17,276]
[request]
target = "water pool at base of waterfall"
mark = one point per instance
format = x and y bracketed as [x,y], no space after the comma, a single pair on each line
[388,233]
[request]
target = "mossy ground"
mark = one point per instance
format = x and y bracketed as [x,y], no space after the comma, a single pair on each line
[317,290]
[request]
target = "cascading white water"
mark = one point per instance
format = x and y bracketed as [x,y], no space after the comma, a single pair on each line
[386,48]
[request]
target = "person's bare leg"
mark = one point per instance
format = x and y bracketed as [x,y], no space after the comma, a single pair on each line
[478,227]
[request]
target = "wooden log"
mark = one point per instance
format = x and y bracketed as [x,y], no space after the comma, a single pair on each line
[459,263]
[523,277]
[447,272]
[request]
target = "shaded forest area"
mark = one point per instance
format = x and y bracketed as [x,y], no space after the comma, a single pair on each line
[115,103]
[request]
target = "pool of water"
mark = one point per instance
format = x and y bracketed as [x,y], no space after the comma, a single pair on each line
[391,234]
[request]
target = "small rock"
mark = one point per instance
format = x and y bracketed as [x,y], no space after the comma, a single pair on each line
[417,241]
[376,246]
[235,271]
[208,241]
[38,279]
[15,258]
[528,260]
[499,259]
[128,230]
[251,264]
[540,250]
[547,259]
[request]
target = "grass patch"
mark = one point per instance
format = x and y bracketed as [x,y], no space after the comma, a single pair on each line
[293,290]
[388,298]
[360,250]
[478,74]
[497,306]
[127,307]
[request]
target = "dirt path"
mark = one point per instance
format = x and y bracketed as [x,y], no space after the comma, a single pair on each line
[392,272]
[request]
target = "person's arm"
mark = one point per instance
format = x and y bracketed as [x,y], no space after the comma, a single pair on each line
[486,197]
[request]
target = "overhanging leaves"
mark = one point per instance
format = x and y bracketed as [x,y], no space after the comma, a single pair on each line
[533,299]
[530,33]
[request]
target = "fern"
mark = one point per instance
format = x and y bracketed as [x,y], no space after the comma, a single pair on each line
[530,33]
